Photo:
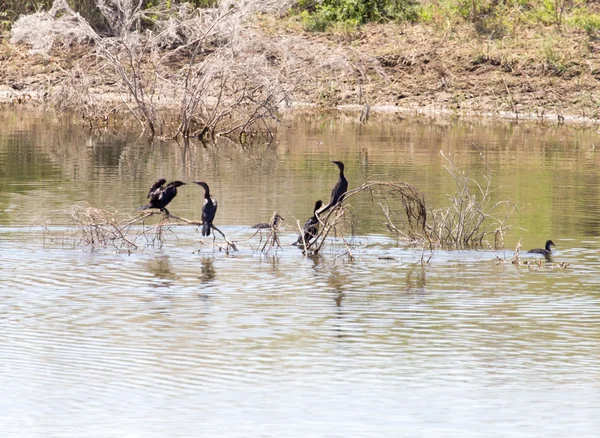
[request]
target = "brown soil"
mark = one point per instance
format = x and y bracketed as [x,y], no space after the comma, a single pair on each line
[547,74]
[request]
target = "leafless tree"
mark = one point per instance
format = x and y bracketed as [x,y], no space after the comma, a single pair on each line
[227,78]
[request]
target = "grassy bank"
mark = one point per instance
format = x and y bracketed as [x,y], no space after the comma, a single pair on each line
[517,58]
[512,59]
[490,18]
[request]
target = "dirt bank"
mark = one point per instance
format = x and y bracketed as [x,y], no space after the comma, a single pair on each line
[545,74]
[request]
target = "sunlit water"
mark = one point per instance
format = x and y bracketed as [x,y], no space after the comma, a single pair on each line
[183,340]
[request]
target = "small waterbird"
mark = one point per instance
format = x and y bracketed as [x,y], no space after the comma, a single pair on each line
[209,209]
[544,251]
[274,223]
[339,190]
[161,196]
[311,226]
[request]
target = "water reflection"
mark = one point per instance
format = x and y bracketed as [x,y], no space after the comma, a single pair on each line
[316,259]
[208,272]
[336,280]
[551,173]
[161,268]
[274,262]
[296,346]
[338,284]
[416,279]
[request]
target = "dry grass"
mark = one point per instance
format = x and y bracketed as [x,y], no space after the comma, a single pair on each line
[542,72]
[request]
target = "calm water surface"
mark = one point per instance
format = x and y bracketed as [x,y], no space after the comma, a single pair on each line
[183,341]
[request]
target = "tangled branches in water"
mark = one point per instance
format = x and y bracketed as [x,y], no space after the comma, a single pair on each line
[473,215]
[93,226]
[338,222]
[272,241]
[403,206]
[472,219]
[100,227]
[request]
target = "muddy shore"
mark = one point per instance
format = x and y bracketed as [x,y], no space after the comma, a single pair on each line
[390,68]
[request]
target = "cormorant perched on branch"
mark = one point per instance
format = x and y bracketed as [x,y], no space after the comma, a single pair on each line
[209,209]
[339,190]
[311,226]
[272,224]
[161,196]
[547,251]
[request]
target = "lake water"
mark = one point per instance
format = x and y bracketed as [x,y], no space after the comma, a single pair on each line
[181,340]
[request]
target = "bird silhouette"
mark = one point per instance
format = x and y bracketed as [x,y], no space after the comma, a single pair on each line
[209,209]
[311,226]
[274,223]
[161,196]
[339,190]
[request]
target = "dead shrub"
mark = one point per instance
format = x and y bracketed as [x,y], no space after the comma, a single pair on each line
[472,219]
[473,214]
[93,226]
[232,80]
[96,227]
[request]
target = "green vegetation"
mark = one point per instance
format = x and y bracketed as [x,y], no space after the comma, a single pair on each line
[318,16]
[495,18]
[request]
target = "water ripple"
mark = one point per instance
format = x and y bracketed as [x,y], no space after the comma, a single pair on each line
[96,332]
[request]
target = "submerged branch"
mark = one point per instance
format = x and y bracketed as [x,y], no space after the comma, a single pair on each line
[471,218]
[99,227]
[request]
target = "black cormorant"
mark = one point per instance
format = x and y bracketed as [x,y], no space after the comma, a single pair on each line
[547,251]
[209,209]
[274,223]
[339,190]
[158,185]
[311,226]
[161,196]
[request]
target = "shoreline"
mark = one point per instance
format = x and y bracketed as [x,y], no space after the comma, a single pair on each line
[396,70]
[30,99]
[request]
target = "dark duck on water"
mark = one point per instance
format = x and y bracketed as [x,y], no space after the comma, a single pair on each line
[544,251]
[161,196]
[209,209]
